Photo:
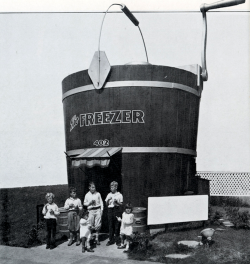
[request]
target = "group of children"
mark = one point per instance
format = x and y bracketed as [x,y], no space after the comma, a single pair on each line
[83,223]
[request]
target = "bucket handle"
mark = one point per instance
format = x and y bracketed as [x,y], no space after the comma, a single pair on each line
[204,8]
[128,13]
[100,67]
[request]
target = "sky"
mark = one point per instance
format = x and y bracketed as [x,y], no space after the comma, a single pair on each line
[38,50]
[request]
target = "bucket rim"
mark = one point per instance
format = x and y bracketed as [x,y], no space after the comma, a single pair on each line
[62,209]
[139,209]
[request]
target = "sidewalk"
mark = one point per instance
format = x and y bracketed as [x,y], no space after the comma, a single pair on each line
[63,254]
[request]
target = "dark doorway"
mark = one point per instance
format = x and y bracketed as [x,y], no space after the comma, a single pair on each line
[102,177]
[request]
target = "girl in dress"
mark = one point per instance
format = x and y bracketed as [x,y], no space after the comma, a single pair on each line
[85,231]
[126,227]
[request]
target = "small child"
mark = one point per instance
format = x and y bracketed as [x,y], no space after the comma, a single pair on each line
[114,202]
[94,203]
[50,211]
[85,231]
[73,204]
[126,227]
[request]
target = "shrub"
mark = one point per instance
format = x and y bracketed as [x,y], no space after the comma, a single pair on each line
[41,232]
[227,201]
[215,216]
[239,219]
[37,234]
[141,241]
[233,201]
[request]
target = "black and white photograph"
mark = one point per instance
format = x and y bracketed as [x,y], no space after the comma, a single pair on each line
[125,132]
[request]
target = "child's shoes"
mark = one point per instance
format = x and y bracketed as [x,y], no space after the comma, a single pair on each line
[127,249]
[90,250]
[110,243]
[71,236]
[78,242]
[117,240]
[121,246]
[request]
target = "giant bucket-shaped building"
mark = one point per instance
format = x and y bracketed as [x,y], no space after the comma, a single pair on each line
[140,129]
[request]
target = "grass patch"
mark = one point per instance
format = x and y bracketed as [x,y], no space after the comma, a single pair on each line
[230,246]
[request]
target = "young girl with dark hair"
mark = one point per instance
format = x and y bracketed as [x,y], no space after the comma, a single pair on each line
[126,230]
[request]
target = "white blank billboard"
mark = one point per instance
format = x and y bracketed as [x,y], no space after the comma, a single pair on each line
[176,209]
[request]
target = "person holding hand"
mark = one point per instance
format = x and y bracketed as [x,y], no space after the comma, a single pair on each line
[93,202]
[126,230]
[85,231]
[50,211]
[114,202]
[74,205]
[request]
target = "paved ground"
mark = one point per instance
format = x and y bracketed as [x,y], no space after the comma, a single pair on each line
[63,254]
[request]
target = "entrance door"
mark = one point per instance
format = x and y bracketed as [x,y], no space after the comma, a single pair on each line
[102,177]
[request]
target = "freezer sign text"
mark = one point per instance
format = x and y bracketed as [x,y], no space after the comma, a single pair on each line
[112,117]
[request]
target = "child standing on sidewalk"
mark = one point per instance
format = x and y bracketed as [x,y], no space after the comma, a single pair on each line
[85,231]
[114,202]
[94,203]
[126,227]
[73,204]
[50,211]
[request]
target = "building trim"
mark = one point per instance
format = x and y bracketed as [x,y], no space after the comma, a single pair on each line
[119,84]
[144,150]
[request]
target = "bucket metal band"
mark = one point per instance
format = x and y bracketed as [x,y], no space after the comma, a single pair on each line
[145,150]
[119,84]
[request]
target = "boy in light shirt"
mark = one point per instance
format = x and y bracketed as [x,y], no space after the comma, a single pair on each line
[94,203]
[114,202]
[74,205]
[50,211]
